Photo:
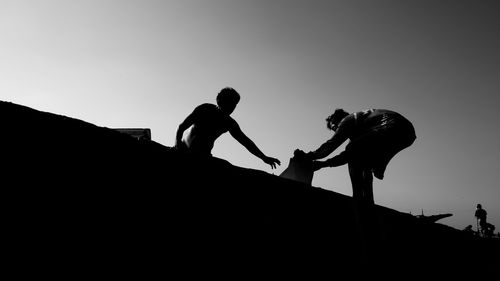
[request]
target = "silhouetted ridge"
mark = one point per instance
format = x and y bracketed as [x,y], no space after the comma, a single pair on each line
[88,199]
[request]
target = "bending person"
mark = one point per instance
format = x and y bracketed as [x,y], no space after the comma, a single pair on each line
[375,135]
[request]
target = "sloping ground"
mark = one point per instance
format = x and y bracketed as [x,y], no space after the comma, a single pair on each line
[87,200]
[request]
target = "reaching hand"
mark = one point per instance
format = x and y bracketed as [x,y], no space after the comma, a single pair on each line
[271,161]
[310,156]
[317,165]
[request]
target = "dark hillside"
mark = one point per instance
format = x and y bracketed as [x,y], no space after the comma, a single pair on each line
[86,200]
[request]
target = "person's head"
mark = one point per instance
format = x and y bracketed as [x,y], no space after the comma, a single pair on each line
[227,99]
[479,206]
[333,121]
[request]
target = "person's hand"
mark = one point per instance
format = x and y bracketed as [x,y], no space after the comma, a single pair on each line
[299,154]
[271,161]
[318,165]
[309,156]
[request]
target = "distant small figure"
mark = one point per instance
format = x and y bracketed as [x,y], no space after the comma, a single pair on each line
[481,215]
[208,122]
[375,135]
[468,229]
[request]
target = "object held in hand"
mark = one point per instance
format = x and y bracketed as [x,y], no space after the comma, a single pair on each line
[300,168]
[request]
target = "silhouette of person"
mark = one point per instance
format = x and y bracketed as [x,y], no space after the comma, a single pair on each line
[481,215]
[208,122]
[375,135]
[468,229]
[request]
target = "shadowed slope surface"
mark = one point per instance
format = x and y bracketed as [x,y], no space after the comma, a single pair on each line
[86,199]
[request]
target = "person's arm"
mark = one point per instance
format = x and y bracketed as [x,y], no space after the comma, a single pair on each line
[238,135]
[340,136]
[183,127]
[327,148]
[338,160]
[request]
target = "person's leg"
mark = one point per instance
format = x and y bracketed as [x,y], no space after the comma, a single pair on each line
[366,219]
[362,181]
[356,175]
[482,224]
[367,186]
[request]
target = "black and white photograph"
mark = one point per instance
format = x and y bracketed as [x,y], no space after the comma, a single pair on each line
[268,139]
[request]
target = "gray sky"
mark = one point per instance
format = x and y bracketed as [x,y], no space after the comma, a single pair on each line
[149,63]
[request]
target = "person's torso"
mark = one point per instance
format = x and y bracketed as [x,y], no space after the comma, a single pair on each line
[209,124]
[481,214]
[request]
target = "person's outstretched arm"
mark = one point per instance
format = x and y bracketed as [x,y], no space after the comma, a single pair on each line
[335,161]
[238,135]
[340,136]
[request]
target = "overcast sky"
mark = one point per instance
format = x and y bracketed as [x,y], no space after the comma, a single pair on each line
[149,63]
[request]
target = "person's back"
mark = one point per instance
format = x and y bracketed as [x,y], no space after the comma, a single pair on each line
[376,121]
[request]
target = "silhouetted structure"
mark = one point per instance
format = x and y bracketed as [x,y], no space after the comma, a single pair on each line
[208,122]
[375,135]
[433,218]
[141,134]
